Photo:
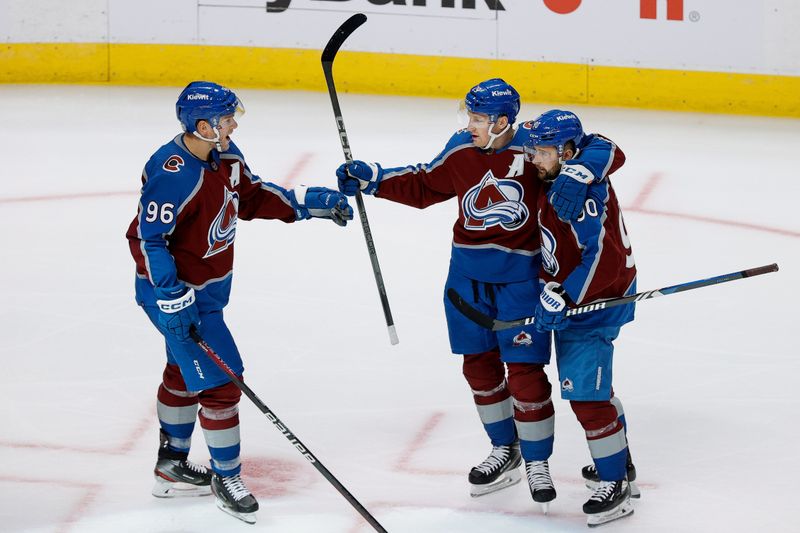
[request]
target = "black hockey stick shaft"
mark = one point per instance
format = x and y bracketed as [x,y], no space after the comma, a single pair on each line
[272,417]
[328,55]
[494,324]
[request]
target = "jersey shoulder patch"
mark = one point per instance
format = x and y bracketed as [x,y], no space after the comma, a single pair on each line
[173,163]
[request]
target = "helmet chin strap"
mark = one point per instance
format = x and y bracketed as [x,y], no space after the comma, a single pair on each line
[216,140]
[493,136]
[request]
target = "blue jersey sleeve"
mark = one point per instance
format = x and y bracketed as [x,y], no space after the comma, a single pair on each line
[597,157]
[589,233]
[163,199]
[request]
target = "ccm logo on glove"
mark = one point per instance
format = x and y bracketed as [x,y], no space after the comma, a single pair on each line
[178,304]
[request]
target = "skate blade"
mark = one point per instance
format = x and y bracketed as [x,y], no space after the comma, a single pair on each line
[623,510]
[510,477]
[249,518]
[178,489]
[545,507]
[636,493]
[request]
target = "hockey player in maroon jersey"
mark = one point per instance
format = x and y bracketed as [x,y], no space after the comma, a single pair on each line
[194,189]
[585,260]
[495,259]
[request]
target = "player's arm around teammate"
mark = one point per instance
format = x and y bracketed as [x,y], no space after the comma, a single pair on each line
[494,258]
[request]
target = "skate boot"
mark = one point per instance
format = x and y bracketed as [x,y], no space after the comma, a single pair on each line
[177,476]
[609,501]
[234,498]
[592,480]
[540,483]
[498,471]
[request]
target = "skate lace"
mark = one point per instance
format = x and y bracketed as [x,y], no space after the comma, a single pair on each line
[538,473]
[603,491]
[194,467]
[496,459]
[235,486]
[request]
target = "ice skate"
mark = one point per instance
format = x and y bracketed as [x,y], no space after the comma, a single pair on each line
[540,483]
[496,472]
[234,498]
[592,480]
[176,476]
[610,501]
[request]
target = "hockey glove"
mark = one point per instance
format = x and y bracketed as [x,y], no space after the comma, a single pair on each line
[359,175]
[551,312]
[321,202]
[568,192]
[177,314]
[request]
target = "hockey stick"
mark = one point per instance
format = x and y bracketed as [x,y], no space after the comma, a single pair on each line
[285,430]
[328,55]
[494,324]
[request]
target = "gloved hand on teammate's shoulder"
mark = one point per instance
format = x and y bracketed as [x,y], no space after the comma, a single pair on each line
[568,193]
[177,311]
[551,311]
[321,202]
[359,175]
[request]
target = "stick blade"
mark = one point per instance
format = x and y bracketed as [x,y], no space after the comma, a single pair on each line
[339,36]
[485,321]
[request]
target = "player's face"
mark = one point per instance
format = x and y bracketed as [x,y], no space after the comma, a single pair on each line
[479,127]
[225,128]
[545,159]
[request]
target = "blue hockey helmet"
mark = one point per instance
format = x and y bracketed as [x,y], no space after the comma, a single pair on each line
[555,128]
[205,100]
[495,98]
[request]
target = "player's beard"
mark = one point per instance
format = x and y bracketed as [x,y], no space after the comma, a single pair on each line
[548,175]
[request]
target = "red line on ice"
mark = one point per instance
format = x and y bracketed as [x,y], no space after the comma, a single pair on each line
[297,169]
[126,446]
[73,196]
[419,440]
[78,510]
[646,191]
[718,221]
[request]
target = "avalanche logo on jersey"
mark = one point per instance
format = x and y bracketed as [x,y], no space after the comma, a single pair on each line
[523,339]
[173,164]
[223,229]
[494,202]
[548,248]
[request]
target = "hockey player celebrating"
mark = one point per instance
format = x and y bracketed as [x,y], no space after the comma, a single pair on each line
[585,260]
[495,259]
[194,188]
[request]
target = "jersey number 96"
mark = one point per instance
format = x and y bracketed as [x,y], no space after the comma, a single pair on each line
[164,213]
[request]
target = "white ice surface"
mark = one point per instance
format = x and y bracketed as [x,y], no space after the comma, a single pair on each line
[709,378]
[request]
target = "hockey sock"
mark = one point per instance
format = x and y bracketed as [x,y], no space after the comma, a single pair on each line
[177,409]
[605,436]
[486,376]
[534,415]
[219,418]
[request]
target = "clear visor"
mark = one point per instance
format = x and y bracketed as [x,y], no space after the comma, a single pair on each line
[540,154]
[227,121]
[467,119]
